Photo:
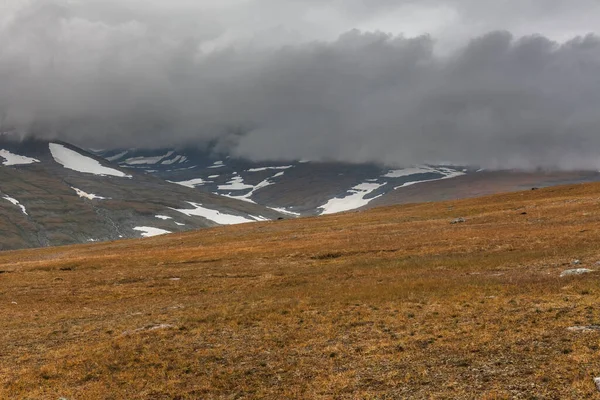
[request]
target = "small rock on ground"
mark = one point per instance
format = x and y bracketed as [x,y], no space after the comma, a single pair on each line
[149,328]
[588,328]
[578,271]
[458,221]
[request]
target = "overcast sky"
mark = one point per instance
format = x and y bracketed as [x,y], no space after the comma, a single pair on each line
[513,83]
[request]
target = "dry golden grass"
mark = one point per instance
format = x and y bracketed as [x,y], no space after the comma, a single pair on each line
[386,304]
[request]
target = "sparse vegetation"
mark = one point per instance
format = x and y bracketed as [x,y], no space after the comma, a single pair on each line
[390,303]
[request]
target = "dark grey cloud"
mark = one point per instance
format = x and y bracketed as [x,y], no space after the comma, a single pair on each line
[265,85]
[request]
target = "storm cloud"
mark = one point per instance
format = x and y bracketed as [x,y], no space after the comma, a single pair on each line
[291,79]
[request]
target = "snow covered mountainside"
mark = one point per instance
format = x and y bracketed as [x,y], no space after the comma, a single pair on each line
[53,193]
[293,188]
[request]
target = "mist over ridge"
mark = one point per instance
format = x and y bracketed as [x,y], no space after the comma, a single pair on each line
[274,80]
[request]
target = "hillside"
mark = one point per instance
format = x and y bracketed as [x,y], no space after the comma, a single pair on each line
[394,302]
[316,188]
[293,187]
[483,183]
[53,193]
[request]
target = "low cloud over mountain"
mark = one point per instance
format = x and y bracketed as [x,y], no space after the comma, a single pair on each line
[276,80]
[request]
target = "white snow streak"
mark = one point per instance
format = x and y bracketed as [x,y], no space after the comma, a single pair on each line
[148,231]
[15,159]
[178,159]
[449,174]
[268,168]
[78,162]
[147,160]
[192,183]
[16,203]
[212,215]
[284,211]
[217,164]
[399,173]
[355,199]
[117,156]
[85,195]
[236,183]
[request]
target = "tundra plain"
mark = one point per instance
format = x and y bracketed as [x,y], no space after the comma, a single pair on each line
[390,303]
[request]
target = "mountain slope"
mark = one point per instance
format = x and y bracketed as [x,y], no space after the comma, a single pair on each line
[300,187]
[482,183]
[56,194]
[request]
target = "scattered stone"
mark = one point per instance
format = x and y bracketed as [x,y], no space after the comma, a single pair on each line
[534,188]
[589,328]
[597,382]
[524,213]
[155,327]
[150,328]
[458,221]
[13,302]
[578,271]
[174,279]
[576,262]
[66,269]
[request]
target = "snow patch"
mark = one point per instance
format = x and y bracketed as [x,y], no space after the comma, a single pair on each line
[148,231]
[284,211]
[147,160]
[236,183]
[268,168]
[192,183]
[399,173]
[117,156]
[163,217]
[71,159]
[16,203]
[217,164]
[85,195]
[447,172]
[15,159]
[213,215]
[178,159]
[355,199]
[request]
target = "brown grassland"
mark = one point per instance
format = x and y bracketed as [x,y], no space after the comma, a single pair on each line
[390,303]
